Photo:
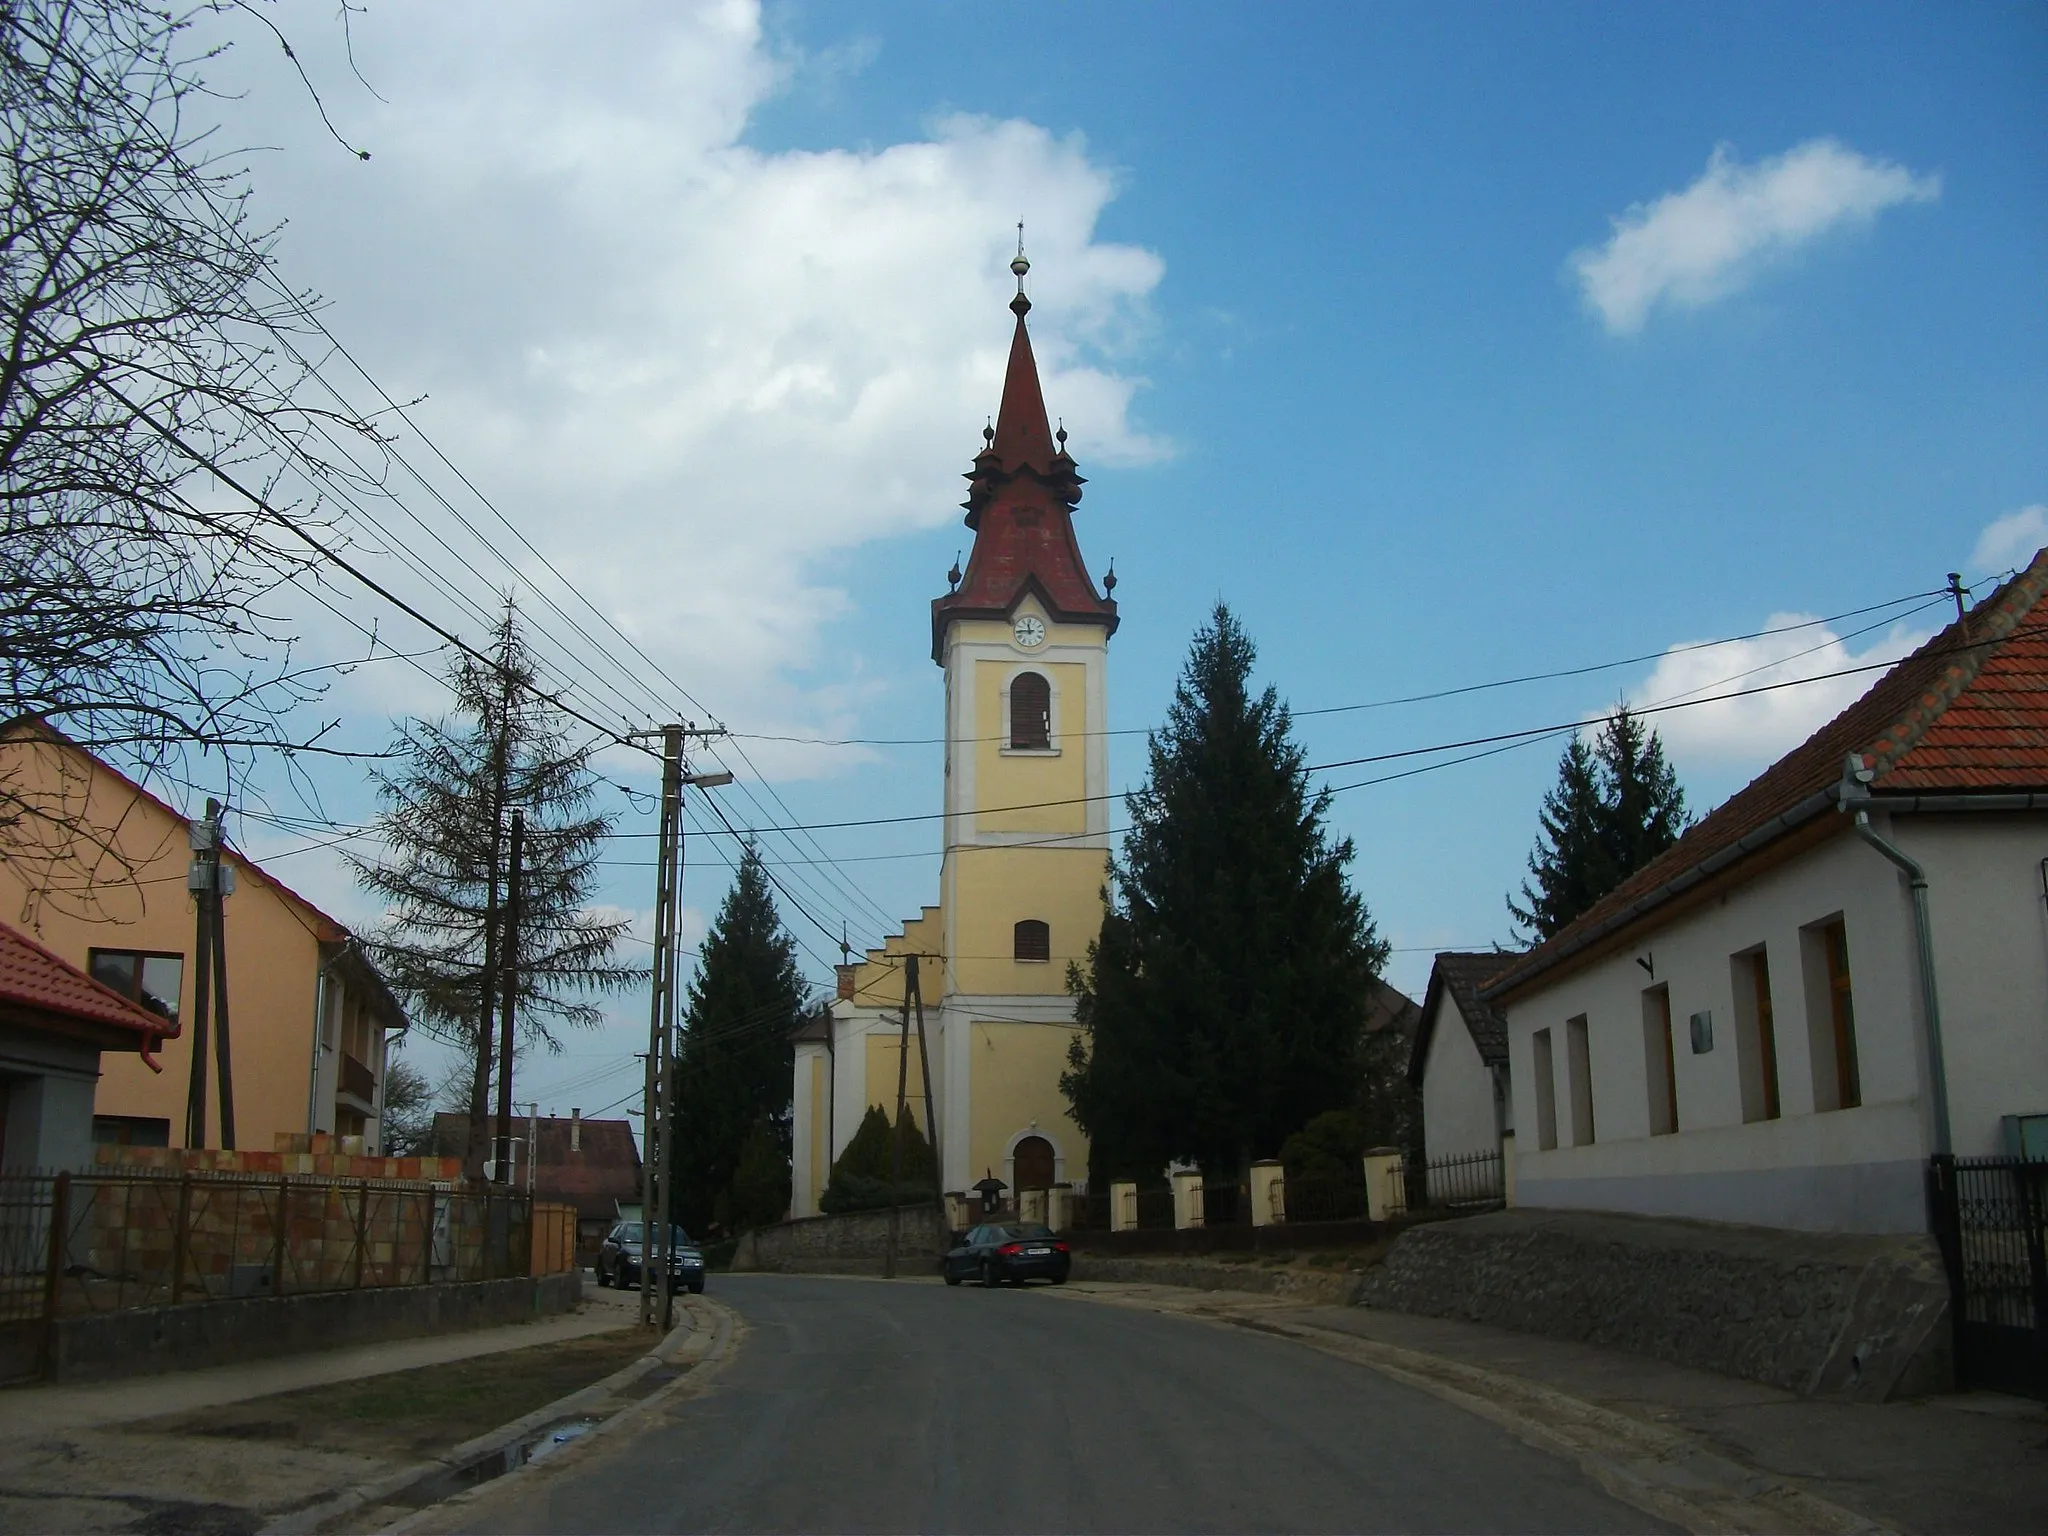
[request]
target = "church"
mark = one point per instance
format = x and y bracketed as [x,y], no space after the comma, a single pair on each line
[1023,639]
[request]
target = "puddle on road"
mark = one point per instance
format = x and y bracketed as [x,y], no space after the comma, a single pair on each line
[535,1447]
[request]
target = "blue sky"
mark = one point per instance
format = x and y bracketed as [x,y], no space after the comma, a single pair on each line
[1320,294]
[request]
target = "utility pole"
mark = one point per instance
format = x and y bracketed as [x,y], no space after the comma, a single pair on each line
[655,1113]
[931,1105]
[658,1103]
[508,966]
[204,837]
[223,884]
[896,1140]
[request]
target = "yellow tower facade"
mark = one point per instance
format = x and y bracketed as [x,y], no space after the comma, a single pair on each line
[1023,639]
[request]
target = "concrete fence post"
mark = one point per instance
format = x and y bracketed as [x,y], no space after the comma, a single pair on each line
[1187,1198]
[1123,1205]
[1059,1207]
[1382,1168]
[957,1219]
[1507,1168]
[1031,1204]
[1268,1193]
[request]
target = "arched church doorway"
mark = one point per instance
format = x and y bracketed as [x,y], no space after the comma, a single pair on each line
[1034,1163]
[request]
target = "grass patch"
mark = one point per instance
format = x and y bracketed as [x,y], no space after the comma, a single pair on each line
[409,1415]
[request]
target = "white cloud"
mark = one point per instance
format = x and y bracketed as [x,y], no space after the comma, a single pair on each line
[2012,540]
[1689,248]
[1762,727]
[693,371]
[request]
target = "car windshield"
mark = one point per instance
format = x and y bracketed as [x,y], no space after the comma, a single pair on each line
[629,1232]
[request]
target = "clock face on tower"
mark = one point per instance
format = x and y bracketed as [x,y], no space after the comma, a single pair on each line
[1030,631]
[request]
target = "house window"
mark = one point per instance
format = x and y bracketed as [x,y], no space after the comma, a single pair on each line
[1545,1077]
[152,980]
[1032,940]
[1831,1017]
[1030,712]
[1579,1062]
[130,1131]
[1756,1035]
[1661,1068]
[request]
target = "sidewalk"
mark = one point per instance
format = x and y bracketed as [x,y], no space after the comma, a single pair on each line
[1972,1462]
[32,1410]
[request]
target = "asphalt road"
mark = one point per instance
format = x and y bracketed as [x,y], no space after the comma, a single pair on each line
[866,1406]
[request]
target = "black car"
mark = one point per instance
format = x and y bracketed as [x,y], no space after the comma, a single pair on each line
[618,1259]
[1008,1252]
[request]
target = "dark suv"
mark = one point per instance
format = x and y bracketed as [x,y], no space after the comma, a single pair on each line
[618,1259]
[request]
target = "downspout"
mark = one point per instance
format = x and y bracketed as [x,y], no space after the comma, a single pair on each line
[319,1038]
[1930,1002]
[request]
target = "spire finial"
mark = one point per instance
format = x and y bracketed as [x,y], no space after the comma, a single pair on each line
[1020,264]
[953,576]
[1109,580]
[1060,436]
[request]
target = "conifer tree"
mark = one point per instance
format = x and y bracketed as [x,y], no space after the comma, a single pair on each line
[443,822]
[861,1178]
[1616,805]
[1223,1005]
[733,1073]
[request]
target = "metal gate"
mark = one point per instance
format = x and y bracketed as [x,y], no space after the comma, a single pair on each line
[1991,1218]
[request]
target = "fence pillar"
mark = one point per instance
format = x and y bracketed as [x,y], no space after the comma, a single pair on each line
[1031,1204]
[957,1219]
[1187,1198]
[53,1274]
[1268,1192]
[362,1228]
[1123,1205]
[1059,1207]
[1382,1169]
[280,1240]
[1507,1168]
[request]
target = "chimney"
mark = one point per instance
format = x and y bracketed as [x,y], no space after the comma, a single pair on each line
[575,1130]
[846,973]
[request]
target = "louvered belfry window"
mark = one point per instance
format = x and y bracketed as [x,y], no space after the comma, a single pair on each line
[1033,940]
[1030,712]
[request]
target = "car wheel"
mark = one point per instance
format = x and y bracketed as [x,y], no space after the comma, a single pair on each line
[1059,1279]
[988,1276]
[697,1289]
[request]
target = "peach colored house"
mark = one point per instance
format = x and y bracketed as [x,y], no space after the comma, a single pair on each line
[99,878]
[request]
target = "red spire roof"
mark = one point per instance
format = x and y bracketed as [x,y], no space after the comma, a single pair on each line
[1020,500]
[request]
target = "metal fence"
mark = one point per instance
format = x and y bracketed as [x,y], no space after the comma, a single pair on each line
[1471,1181]
[1991,1220]
[1225,1205]
[78,1244]
[1325,1196]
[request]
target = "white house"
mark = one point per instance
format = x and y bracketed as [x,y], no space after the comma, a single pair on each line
[1838,973]
[1460,1059]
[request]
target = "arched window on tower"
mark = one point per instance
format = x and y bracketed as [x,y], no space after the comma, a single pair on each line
[1030,712]
[1033,940]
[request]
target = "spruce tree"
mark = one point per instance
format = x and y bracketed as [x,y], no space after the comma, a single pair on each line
[861,1178]
[1616,805]
[1223,1005]
[734,1065]
[443,822]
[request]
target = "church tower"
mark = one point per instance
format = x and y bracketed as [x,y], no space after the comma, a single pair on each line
[1024,641]
[1023,638]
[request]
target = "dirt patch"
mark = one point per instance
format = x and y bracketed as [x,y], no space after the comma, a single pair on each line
[412,1415]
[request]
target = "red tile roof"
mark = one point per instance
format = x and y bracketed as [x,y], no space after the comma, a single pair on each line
[32,977]
[1967,713]
[603,1170]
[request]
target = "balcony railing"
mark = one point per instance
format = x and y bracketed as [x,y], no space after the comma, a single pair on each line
[358,1081]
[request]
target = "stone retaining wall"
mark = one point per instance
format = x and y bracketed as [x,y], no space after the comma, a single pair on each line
[153,1340]
[852,1243]
[1328,1288]
[1821,1314]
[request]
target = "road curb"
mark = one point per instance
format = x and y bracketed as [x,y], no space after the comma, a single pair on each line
[1663,1472]
[699,1339]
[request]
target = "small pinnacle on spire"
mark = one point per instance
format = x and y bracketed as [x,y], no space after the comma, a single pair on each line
[1020,264]
[1109,576]
[1060,436]
[988,432]
[953,576]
